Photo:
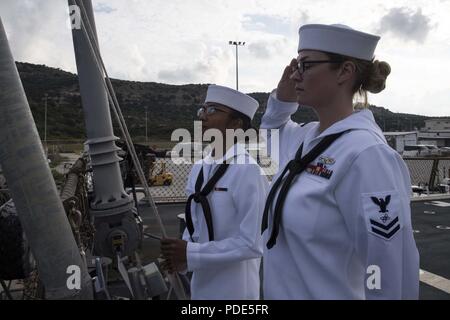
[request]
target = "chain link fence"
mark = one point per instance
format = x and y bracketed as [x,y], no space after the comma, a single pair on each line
[176,190]
[430,171]
[420,169]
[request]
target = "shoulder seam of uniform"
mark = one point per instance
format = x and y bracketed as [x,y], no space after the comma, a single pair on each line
[352,161]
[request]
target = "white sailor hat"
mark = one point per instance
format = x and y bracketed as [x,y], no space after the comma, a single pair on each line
[337,38]
[233,99]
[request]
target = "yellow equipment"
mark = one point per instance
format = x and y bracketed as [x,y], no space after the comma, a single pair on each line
[162,178]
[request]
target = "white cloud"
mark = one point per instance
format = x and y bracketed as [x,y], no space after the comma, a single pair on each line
[406,24]
[260,50]
[266,49]
[103,8]
[38,31]
[266,23]
[210,68]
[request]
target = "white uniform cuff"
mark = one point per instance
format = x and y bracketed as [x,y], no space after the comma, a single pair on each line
[284,106]
[277,112]
[193,256]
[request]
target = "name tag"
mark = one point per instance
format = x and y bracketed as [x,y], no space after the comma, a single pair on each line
[220,189]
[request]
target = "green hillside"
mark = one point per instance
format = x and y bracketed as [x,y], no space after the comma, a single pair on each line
[169,106]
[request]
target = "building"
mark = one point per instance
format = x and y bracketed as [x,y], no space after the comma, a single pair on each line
[436,132]
[437,138]
[398,140]
[437,124]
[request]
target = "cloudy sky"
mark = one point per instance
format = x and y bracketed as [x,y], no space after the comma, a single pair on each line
[186,41]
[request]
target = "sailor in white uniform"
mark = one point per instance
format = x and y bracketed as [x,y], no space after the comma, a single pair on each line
[222,244]
[337,222]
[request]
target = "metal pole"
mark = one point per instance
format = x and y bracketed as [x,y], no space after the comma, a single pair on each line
[237,68]
[108,185]
[33,189]
[236,44]
[111,207]
[174,279]
[146,132]
[45,126]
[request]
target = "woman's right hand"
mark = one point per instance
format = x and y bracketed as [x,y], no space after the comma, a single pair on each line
[286,86]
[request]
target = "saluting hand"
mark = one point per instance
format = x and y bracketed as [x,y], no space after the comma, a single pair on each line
[286,86]
[174,251]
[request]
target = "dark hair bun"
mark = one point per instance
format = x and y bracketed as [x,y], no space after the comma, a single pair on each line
[376,81]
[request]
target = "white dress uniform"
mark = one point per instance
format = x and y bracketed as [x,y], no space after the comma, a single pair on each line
[345,218]
[228,267]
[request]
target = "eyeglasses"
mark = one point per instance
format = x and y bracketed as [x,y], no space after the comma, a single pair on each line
[302,66]
[209,109]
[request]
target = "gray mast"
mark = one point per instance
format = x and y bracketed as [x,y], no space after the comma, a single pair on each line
[111,207]
[33,189]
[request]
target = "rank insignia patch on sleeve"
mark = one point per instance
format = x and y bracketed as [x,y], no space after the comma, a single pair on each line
[381,211]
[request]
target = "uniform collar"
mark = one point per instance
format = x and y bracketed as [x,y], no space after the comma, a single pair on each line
[359,119]
[236,150]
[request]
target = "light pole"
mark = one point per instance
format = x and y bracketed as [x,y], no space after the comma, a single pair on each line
[45,124]
[237,44]
[146,119]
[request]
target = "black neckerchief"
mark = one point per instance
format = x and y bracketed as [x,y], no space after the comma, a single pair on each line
[199,196]
[295,167]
